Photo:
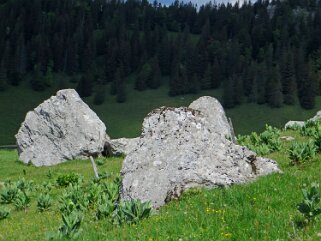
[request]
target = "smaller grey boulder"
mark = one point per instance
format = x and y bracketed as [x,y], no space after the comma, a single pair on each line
[317,117]
[61,128]
[287,138]
[213,111]
[122,146]
[293,125]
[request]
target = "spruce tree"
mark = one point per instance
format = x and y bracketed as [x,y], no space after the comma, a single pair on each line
[144,77]
[238,89]
[274,91]
[173,83]
[37,81]
[111,60]
[62,84]
[113,89]
[193,84]
[306,91]
[156,78]
[48,78]
[72,64]
[288,78]
[206,82]
[3,77]
[120,85]
[216,75]
[121,92]
[261,81]
[228,91]
[164,56]
[84,87]
[100,95]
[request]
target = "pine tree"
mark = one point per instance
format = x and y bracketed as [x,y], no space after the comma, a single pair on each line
[48,78]
[288,78]
[62,84]
[164,56]
[274,91]
[144,77]
[228,91]
[3,77]
[238,89]
[121,92]
[252,95]
[206,82]
[111,61]
[37,81]
[193,84]
[136,50]
[261,81]
[124,55]
[120,85]
[173,83]
[216,76]
[100,95]
[84,87]
[306,91]
[156,78]
[72,64]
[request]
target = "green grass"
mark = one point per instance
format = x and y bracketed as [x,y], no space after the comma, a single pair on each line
[125,120]
[261,210]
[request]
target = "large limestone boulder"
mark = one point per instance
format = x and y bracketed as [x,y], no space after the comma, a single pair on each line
[177,150]
[61,128]
[122,146]
[212,109]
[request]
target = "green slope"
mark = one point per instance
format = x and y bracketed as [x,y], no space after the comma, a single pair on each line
[124,120]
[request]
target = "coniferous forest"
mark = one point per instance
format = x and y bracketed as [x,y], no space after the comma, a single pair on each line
[262,52]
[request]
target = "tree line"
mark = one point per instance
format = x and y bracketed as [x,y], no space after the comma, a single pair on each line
[262,52]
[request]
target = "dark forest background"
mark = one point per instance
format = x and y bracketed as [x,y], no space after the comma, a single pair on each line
[265,52]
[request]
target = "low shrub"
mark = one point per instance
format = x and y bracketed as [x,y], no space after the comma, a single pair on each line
[104,175]
[301,152]
[268,141]
[71,225]
[105,209]
[4,213]
[9,193]
[67,179]
[73,199]
[94,193]
[311,128]
[261,150]
[22,201]
[44,202]
[310,207]
[317,141]
[100,162]
[111,189]
[131,212]
[25,185]
[46,187]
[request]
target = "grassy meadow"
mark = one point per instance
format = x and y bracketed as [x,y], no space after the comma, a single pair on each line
[265,209]
[124,120]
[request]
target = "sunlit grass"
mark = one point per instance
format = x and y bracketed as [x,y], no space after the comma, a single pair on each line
[261,210]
